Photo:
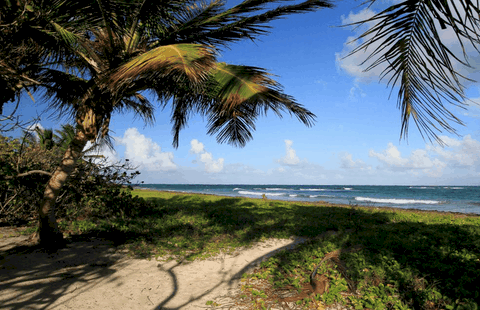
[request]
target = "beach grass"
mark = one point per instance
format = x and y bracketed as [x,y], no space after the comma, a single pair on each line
[375,258]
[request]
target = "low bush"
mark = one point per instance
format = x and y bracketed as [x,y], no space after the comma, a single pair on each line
[96,189]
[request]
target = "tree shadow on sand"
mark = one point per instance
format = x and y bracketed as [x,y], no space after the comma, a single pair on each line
[36,278]
[226,279]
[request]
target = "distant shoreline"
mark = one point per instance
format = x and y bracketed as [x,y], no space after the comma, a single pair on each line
[319,202]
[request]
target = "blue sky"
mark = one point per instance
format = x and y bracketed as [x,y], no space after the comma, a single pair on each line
[356,139]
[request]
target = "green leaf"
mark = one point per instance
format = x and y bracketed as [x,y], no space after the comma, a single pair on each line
[192,61]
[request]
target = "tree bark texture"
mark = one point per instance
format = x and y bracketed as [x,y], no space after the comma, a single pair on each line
[49,234]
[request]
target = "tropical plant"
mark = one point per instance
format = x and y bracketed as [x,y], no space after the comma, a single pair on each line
[406,39]
[64,136]
[46,138]
[124,48]
[31,43]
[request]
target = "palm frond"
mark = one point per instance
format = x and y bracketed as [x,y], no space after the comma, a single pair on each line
[150,16]
[192,61]
[64,136]
[56,30]
[184,104]
[63,90]
[252,26]
[68,37]
[211,25]
[407,41]
[139,105]
[239,95]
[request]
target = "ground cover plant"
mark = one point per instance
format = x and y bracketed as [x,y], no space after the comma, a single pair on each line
[366,258]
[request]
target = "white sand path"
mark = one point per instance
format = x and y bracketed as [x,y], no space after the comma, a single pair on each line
[91,275]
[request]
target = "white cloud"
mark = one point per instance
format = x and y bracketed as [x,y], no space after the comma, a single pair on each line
[197,147]
[391,156]
[418,160]
[35,126]
[32,129]
[145,153]
[459,163]
[356,90]
[459,153]
[460,157]
[110,157]
[347,162]
[211,165]
[290,158]
[352,64]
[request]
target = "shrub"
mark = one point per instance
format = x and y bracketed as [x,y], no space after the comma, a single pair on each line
[96,189]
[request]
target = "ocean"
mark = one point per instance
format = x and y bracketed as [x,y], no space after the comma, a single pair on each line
[464,199]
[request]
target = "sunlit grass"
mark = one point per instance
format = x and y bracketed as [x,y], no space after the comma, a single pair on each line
[402,258]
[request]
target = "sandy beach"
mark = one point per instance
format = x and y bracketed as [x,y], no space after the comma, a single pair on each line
[92,274]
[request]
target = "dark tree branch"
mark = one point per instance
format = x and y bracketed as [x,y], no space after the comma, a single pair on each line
[21,175]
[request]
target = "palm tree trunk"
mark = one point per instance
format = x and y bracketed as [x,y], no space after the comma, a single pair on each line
[48,234]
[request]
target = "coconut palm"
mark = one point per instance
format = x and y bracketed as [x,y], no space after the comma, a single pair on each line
[30,40]
[46,138]
[406,40]
[43,138]
[64,136]
[17,59]
[168,48]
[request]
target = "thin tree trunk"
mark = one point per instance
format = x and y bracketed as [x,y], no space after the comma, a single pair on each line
[48,234]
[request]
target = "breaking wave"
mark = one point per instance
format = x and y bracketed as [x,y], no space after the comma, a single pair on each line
[397,201]
[260,193]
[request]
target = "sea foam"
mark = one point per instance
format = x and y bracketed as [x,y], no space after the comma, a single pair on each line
[260,193]
[397,201]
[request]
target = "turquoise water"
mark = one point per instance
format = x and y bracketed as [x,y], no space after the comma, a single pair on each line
[465,199]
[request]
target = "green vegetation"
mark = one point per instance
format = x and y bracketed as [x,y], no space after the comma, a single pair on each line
[94,60]
[94,190]
[371,258]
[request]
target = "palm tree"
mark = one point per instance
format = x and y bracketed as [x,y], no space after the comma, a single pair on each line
[31,40]
[18,60]
[64,136]
[407,42]
[168,48]
[46,138]
[40,137]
